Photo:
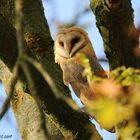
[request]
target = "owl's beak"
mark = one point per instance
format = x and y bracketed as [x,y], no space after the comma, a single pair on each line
[75,49]
[75,45]
[70,51]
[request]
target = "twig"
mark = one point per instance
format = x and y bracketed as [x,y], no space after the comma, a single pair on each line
[34,93]
[45,75]
[6,104]
[21,45]
[139,40]
[20,41]
[19,26]
[50,82]
[103,60]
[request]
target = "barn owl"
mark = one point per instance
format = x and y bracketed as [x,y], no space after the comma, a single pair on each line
[68,43]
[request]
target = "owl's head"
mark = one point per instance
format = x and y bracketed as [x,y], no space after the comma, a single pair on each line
[69,42]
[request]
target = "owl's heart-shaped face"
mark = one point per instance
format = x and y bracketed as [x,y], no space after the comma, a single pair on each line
[70,41]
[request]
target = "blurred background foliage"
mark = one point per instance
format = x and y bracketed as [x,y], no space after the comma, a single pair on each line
[114,100]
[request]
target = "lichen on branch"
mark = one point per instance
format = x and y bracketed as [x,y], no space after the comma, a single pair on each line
[115,21]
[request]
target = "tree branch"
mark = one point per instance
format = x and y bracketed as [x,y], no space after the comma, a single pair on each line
[115,23]
[51,83]
[8,43]
[21,47]
[36,97]
[10,93]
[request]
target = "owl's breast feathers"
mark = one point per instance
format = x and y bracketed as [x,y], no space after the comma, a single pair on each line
[72,72]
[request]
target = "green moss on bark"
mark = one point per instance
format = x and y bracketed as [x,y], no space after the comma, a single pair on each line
[8,43]
[118,32]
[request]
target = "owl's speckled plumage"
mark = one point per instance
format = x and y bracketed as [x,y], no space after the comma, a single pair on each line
[68,43]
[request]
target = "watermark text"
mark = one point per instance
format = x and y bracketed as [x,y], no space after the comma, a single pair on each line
[5,136]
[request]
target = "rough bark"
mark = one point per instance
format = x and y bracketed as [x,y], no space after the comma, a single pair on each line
[62,120]
[8,44]
[115,23]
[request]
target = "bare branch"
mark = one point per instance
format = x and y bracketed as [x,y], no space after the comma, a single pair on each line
[49,80]
[6,104]
[21,46]
[16,67]
[115,21]
[34,93]
[19,26]
[102,60]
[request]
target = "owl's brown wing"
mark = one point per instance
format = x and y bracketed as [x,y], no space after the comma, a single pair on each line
[96,67]
[73,73]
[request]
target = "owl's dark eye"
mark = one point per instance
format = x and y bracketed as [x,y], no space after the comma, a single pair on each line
[61,44]
[75,40]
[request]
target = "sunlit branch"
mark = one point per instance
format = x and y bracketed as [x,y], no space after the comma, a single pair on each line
[19,26]
[6,104]
[103,60]
[21,46]
[51,83]
[34,93]
[20,41]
